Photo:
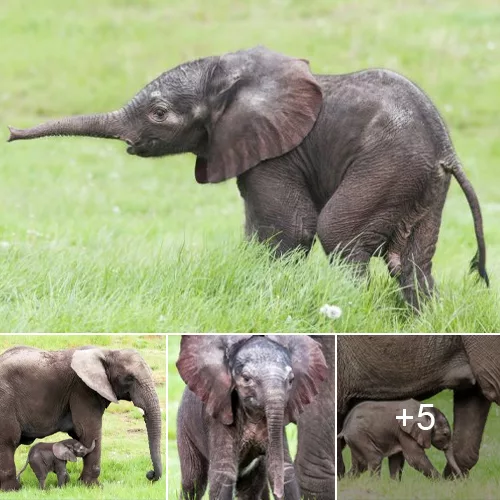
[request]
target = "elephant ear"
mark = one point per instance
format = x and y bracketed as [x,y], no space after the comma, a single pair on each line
[89,365]
[309,369]
[63,452]
[204,366]
[264,104]
[422,437]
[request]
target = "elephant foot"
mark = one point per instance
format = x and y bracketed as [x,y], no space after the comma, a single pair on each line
[10,485]
[90,481]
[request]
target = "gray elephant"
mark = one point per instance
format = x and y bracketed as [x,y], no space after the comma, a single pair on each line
[52,457]
[44,392]
[363,160]
[391,367]
[374,430]
[241,392]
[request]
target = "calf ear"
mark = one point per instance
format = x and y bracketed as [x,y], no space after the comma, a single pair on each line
[203,364]
[309,369]
[63,452]
[422,437]
[263,104]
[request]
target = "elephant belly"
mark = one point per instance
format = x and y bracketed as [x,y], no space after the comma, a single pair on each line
[41,430]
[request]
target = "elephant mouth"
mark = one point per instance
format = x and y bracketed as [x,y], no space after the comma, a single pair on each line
[144,150]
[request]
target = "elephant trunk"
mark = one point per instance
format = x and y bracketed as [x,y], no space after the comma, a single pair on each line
[450,457]
[105,125]
[275,409]
[145,397]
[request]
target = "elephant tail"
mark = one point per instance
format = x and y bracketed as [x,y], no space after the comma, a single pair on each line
[478,262]
[23,469]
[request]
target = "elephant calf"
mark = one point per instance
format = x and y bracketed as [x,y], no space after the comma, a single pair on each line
[372,432]
[52,457]
[242,391]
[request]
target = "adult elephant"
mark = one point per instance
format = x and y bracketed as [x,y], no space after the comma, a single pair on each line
[315,459]
[43,392]
[383,367]
[363,160]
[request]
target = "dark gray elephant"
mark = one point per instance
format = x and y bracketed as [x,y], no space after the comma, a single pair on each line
[384,367]
[241,392]
[52,457]
[363,160]
[44,392]
[374,430]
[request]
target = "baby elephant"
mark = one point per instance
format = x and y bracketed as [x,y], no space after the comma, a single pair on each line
[372,432]
[242,391]
[52,457]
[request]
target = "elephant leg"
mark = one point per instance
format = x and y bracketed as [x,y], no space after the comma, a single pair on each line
[470,411]
[61,472]
[415,455]
[194,471]
[278,207]
[357,467]
[253,484]
[356,225]
[396,464]
[87,421]
[8,480]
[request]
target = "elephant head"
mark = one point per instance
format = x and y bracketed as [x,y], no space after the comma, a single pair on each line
[70,449]
[438,434]
[122,374]
[274,377]
[232,111]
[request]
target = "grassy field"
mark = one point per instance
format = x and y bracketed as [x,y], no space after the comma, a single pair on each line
[92,239]
[175,389]
[482,484]
[125,453]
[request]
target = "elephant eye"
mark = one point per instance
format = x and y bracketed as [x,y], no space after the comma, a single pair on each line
[246,379]
[159,114]
[290,380]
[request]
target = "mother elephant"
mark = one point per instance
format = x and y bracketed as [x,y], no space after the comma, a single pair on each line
[363,160]
[381,367]
[43,392]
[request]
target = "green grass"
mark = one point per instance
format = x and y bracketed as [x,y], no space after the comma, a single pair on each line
[93,240]
[482,484]
[175,389]
[125,452]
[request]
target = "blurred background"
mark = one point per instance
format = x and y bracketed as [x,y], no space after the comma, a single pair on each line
[93,239]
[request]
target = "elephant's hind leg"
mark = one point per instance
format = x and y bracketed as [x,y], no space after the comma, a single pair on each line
[415,272]
[396,464]
[355,224]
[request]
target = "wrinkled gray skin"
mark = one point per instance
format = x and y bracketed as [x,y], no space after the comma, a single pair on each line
[315,458]
[362,160]
[383,367]
[242,391]
[372,432]
[52,457]
[44,392]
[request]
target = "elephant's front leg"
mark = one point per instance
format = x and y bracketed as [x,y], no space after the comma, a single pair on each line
[91,463]
[223,461]
[279,210]
[469,418]
[8,480]
[86,414]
